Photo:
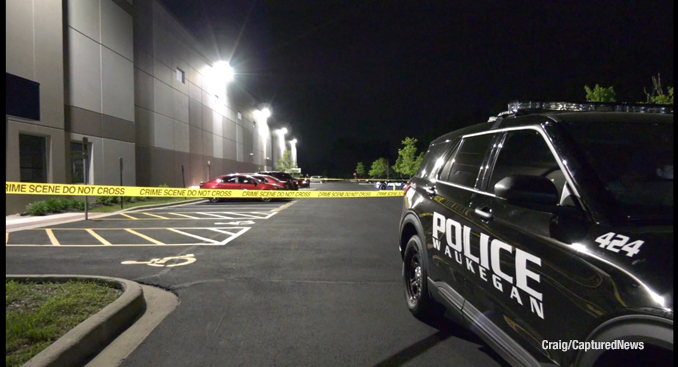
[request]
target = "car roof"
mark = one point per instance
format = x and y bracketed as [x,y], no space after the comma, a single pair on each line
[537,118]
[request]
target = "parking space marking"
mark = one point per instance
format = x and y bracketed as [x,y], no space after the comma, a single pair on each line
[214,215]
[144,237]
[52,238]
[225,232]
[192,235]
[284,206]
[153,215]
[187,216]
[244,214]
[106,243]
[231,232]
[206,215]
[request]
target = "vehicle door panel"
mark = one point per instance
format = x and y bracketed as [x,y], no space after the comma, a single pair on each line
[455,190]
[536,281]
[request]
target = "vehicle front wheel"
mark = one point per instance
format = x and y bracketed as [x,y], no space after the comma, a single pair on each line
[415,278]
[213,200]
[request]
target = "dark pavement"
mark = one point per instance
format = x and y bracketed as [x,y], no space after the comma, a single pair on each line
[318,283]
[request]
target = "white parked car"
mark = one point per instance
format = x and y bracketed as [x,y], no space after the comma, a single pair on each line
[317,179]
[385,185]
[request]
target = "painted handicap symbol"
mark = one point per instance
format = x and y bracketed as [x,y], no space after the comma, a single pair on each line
[173,261]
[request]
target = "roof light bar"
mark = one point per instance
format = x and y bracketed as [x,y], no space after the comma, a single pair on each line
[517,106]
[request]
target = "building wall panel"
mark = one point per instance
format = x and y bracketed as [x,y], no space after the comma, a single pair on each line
[83,16]
[181,138]
[117,29]
[118,85]
[84,71]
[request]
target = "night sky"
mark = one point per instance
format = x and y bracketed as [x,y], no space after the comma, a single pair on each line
[351,79]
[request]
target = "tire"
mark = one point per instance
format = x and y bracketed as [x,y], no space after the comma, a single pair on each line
[265,200]
[415,279]
[213,200]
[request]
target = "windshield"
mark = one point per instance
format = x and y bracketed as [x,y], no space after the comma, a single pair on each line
[633,160]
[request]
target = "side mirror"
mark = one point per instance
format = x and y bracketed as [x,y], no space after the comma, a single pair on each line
[527,189]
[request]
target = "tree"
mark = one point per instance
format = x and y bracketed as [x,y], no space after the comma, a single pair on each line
[599,94]
[657,96]
[285,163]
[360,169]
[379,168]
[408,162]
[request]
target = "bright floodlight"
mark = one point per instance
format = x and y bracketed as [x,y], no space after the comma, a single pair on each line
[266,112]
[223,71]
[283,131]
[293,141]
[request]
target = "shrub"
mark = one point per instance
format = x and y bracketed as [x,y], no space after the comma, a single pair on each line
[107,200]
[55,205]
[79,205]
[37,208]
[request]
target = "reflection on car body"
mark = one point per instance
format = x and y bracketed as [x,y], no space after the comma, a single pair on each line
[237,181]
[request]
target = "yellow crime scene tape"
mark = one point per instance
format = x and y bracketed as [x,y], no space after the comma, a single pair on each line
[25,188]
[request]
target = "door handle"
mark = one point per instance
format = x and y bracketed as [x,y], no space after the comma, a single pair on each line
[484,213]
[430,190]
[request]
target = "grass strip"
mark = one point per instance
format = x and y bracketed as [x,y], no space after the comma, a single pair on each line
[37,314]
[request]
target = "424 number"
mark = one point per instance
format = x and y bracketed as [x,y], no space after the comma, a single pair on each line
[616,242]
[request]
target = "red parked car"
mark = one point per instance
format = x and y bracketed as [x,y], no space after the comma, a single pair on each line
[270,180]
[236,181]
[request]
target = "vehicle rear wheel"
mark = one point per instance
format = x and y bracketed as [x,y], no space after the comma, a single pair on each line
[213,200]
[265,200]
[415,278]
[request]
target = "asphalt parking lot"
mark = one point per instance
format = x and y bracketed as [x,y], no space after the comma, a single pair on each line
[313,282]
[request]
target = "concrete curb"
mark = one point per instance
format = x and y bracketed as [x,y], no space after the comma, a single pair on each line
[91,336]
[40,221]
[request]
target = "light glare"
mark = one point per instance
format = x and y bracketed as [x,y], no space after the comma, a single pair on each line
[223,71]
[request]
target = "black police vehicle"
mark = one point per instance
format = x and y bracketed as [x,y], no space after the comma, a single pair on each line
[548,231]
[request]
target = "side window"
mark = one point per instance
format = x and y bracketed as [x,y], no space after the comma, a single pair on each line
[433,160]
[33,158]
[465,165]
[77,166]
[230,180]
[246,181]
[524,152]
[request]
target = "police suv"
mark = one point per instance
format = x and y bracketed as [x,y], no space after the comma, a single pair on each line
[548,231]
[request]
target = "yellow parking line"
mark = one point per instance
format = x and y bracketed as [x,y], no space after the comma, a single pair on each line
[144,237]
[99,237]
[284,206]
[153,215]
[52,238]
[129,216]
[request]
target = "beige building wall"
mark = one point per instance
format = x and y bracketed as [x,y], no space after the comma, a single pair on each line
[196,123]
[99,88]
[34,51]
[107,70]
